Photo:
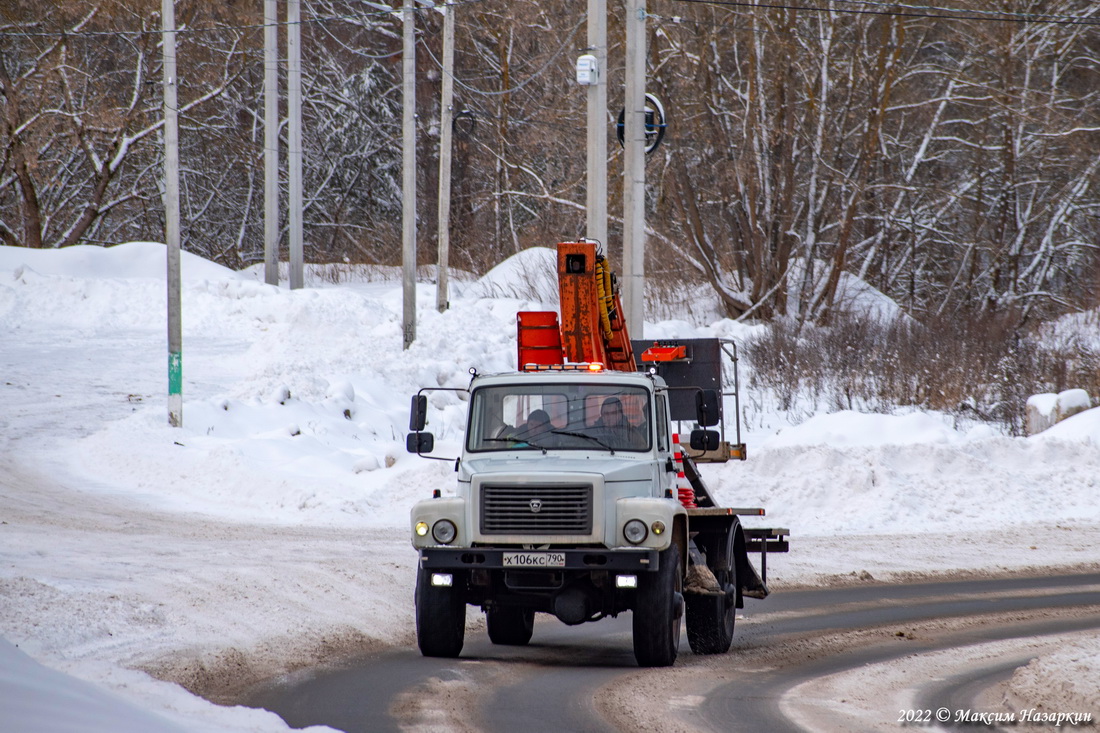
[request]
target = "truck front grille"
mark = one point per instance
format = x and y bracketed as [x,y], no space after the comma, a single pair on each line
[536,510]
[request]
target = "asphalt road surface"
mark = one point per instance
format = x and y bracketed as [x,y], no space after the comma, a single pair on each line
[585,678]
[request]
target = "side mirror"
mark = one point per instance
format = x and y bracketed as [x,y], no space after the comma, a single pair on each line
[418,415]
[419,443]
[704,440]
[708,407]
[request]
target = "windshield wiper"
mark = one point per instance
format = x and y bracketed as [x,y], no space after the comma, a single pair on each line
[528,443]
[603,445]
[518,442]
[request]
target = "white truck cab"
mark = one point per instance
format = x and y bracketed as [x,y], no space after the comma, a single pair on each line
[542,465]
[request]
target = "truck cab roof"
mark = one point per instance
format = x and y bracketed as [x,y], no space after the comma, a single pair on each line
[573,376]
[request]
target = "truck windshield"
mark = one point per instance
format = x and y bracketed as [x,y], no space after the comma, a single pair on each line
[559,416]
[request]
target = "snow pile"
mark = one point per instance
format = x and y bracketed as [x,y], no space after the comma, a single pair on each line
[144,547]
[1061,682]
[847,429]
[41,699]
[1084,427]
[853,295]
[855,473]
[1047,409]
[530,275]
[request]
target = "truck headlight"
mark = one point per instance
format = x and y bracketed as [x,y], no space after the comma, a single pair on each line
[421,529]
[635,531]
[444,531]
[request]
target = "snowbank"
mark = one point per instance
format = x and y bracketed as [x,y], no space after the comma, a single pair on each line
[1061,682]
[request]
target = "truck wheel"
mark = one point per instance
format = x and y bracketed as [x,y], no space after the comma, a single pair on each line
[510,626]
[440,616]
[658,612]
[710,619]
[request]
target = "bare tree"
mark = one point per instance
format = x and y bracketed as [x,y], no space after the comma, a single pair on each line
[944,160]
[74,111]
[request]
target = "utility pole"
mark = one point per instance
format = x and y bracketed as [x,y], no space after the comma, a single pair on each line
[634,168]
[172,215]
[271,142]
[408,177]
[294,147]
[446,125]
[597,124]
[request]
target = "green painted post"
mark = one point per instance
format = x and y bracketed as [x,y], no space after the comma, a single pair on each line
[175,376]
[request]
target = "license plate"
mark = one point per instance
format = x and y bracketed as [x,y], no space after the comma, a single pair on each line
[534,559]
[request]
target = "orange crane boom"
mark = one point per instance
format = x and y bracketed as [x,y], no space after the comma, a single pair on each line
[591,326]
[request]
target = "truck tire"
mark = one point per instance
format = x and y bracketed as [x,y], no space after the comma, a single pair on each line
[510,626]
[710,619]
[440,616]
[658,612]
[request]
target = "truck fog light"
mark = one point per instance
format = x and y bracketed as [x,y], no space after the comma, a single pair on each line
[444,531]
[445,580]
[421,529]
[635,531]
[626,581]
[658,527]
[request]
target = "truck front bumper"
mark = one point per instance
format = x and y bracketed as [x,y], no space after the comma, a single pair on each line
[484,558]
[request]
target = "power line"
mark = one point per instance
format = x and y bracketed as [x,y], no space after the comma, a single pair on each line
[539,72]
[320,19]
[942,13]
[1029,17]
[794,32]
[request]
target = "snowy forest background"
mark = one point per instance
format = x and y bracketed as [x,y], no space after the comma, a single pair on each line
[945,153]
